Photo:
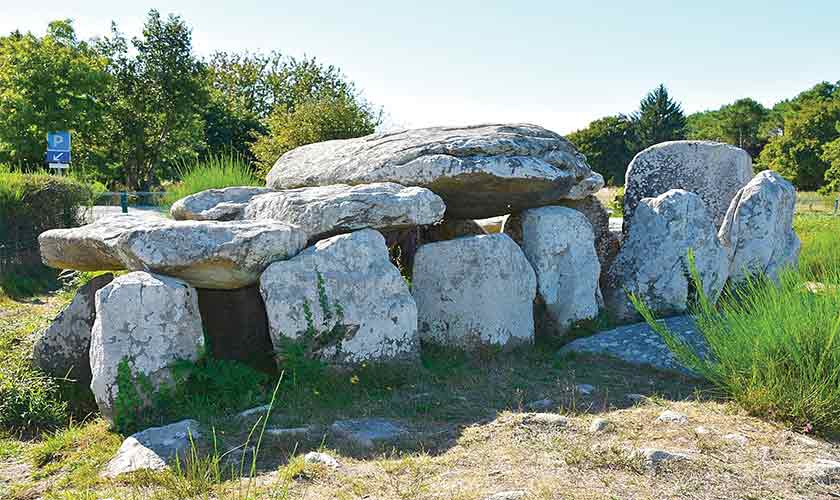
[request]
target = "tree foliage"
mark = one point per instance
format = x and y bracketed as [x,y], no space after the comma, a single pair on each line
[48,83]
[739,123]
[802,150]
[658,119]
[608,144]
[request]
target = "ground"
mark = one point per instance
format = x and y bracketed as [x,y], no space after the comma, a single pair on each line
[468,438]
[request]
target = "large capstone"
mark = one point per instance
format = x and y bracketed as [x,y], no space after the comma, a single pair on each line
[479,171]
[329,210]
[474,291]
[215,204]
[62,350]
[206,254]
[757,232]
[342,301]
[560,245]
[148,322]
[712,170]
[653,262]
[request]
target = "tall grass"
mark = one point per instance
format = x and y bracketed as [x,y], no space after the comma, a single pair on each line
[820,236]
[217,171]
[773,348]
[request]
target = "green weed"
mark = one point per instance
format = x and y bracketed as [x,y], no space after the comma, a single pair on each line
[218,171]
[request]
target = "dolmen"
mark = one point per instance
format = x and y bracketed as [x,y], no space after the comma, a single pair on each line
[309,263]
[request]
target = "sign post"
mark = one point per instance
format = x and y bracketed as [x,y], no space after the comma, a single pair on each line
[58,150]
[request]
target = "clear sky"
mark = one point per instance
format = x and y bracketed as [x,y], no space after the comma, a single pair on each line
[554,63]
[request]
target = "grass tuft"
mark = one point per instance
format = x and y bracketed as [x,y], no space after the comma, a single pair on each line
[217,171]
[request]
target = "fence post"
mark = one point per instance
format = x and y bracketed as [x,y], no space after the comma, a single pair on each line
[124,202]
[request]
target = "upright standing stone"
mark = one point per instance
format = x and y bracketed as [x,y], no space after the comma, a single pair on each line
[757,232]
[607,242]
[479,171]
[653,261]
[63,348]
[560,245]
[148,321]
[476,290]
[343,300]
[712,170]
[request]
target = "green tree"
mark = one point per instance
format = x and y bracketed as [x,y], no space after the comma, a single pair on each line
[314,120]
[608,146]
[739,124]
[155,101]
[658,119]
[49,83]
[245,88]
[809,124]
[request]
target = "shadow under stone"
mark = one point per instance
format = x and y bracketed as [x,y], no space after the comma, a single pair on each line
[236,326]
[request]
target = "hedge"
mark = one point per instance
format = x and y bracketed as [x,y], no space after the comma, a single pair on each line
[31,204]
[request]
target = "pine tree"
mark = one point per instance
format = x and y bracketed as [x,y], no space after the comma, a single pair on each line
[658,119]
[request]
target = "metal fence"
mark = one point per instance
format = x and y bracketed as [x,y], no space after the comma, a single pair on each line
[814,203]
[131,202]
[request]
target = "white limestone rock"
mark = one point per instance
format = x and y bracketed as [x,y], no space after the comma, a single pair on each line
[215,204]
[479,171]
[369,313]
[757,231]
[150,321]
[712,170]
[472,291]
[653,261]
[207,254]
[155,448]
[329,210]
[560,245]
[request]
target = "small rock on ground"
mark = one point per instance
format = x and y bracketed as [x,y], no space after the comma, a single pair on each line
[585,389]
[153,448]
[367,432]
[289,432]
[737,438]
[654,457]
[253,411]
[314,457]
[823,471]
[507,495]
[672,417]
[599,425]
[545,419]
[638,344]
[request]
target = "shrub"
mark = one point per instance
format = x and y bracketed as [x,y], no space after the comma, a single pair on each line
[29,205]
[617,203]
[218,171]
[773,348]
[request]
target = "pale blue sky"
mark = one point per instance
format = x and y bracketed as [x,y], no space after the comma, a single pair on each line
[558,64]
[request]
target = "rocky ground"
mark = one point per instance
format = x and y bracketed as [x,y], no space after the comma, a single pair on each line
[534,423]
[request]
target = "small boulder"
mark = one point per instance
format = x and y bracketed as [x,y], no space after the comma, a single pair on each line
[823,471]
[599,425]
[329,210]
[148,321]
[206,254]
[712,170]
[653,457]
[559,244]
[476,290]
[369,432]
[737,438]
[63,349]
[344,300]
[757,231]
[672,417]
[653,261]
[215,204]
[314,457]
[480,171]
[155,448]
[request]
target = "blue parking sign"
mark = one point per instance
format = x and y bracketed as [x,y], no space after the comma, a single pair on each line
[58,156]
[58,141]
